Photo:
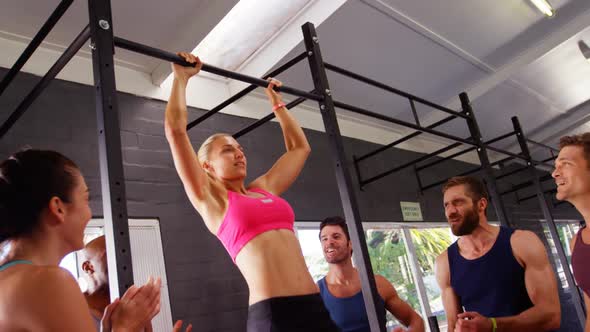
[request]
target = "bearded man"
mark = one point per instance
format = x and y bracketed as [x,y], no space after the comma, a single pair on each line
[492,278]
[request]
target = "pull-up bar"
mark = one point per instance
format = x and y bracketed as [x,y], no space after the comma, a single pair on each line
[171,57]
[403,139]
[525,184]
[386,118]
[434,154]
[526,198]
[471,171]
[542,145]
[385,87]
[246,90]
[460,153]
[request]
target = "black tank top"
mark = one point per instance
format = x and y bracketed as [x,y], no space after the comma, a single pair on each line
[493,284]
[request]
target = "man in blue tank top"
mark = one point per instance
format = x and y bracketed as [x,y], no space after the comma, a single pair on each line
[493,278]
[341,287]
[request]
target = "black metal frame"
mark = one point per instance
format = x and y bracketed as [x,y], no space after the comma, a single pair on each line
[344,178]
[34,44]
[111,165]
[112,178]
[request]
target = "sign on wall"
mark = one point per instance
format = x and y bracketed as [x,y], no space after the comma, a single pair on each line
[411,211]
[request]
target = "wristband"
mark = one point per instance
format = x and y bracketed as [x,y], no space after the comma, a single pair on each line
[494,324]
[277,106]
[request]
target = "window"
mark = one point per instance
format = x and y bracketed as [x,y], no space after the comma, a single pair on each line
[566,230]
[429,243]
[389,258]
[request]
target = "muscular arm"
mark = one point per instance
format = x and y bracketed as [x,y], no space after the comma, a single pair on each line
[187,165]
[540,284]
[286,169]
[398,308]
[451,301]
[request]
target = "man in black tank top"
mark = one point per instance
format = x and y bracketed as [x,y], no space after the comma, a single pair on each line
[572,176]
[493,278]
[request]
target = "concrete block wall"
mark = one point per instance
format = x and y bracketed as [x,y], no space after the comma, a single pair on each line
[205,287]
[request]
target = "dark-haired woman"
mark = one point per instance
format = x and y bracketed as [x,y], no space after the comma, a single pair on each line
[43,213]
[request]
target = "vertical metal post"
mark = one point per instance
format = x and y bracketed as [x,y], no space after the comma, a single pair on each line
[420,287]
[109,147]
[577,299]
[418,179]
[484,160]
[347,195]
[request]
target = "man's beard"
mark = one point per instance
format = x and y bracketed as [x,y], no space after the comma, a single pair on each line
[469,224]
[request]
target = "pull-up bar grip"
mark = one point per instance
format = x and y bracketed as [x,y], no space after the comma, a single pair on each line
[171,57]
[35,42]
[245,91]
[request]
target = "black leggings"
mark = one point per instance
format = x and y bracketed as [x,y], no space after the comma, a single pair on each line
[303,313]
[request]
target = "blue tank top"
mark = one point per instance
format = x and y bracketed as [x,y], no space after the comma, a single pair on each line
[493,284]
[348,313]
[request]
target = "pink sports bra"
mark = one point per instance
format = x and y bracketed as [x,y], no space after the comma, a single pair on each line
[247,217]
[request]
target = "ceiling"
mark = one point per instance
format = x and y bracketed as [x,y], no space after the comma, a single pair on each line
[506,55]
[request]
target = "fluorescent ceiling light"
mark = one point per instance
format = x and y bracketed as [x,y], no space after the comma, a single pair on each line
[544,6]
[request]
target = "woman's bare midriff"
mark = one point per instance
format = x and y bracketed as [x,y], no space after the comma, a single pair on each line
[273,266]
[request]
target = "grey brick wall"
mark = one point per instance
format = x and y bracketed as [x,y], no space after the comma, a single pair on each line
[205,287]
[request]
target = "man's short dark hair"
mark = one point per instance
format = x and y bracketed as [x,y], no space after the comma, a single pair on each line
[335,221]
[476,189]
[581,140]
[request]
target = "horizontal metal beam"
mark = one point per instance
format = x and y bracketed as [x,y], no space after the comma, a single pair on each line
[508,153]
[266,119]
[501,161]
[171,57]
[499,138]
[403,139]
[246,90]
[441,160]
[438,183]
[518,170]
[526,198]
[542,145]
[385,87]
[361,111]
[61,62]
[408,164]
[35,42]
[525,184]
